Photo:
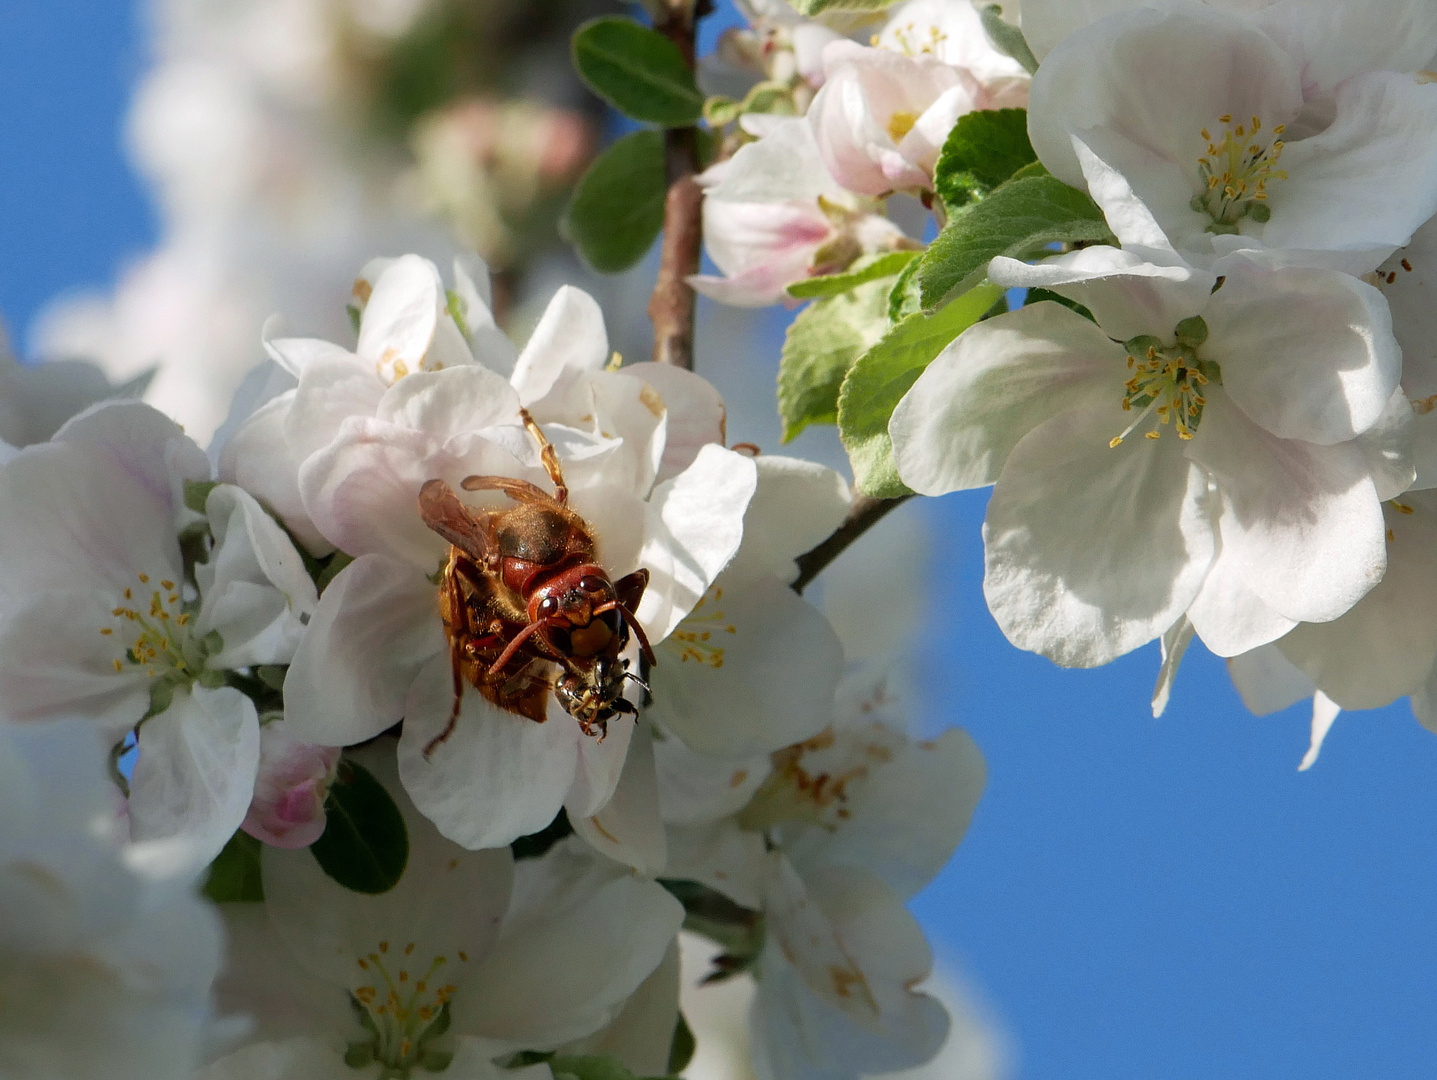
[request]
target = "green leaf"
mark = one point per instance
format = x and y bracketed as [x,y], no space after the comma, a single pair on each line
[197,492]
[638,71]
[681,1049]
[1037,296]
[880,378]
[618,207]
[822,343]
[904,298]
[867,269]
[816,7]
[365,846]
[984,149]
[1019,219]
[235,875]
[1007,38]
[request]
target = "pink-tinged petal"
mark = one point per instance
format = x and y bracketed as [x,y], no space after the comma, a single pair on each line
[152,449]
[289,789]
[376,627]
[497,776]
[1302,522]
[1091,551]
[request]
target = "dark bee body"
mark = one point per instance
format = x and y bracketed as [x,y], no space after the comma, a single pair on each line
[526,607]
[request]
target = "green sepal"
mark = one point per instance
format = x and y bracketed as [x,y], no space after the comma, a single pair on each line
[681,1047]
[1007,38]
[740,931]
[197,492]
[880,378]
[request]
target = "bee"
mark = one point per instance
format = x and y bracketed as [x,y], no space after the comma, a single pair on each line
[526,607]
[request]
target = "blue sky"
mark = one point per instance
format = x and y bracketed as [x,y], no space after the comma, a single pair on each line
[1137,899]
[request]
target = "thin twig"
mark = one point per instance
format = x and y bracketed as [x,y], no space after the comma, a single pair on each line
[865,513]
[672,305]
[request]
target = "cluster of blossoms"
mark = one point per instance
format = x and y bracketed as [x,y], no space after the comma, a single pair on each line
[1212,416]
[419,868]
[460,677]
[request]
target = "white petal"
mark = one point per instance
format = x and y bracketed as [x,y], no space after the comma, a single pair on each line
[904,814]
[401,315]
[1324,715]
[1301,521]
[259,459]
[332,389]
[695,789]
[1268,681]
[695,413]
[641,1036]
[195,773]
[1385,647]
[255,590]
[571,334]
[449,402]
[376,626]
[1308,354]
[722,856]
[796,506]
[1091,551]
[694,527]
[498,775]
[298,1058]
[1336,40]
[999,380]
[54,661]
[1380,141]
[1127,294]
[763,678]
[627,828]
[75,519]
[1228,615]
[1396,446]
[447,900]
[580,936]
[1174,642]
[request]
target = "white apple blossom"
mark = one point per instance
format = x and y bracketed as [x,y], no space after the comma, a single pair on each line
[1330,39]
[291,783]
[1231,148]
[343,457]
[774,215]
[1409,282]
[105,971]
[470,957]
[884,111]
[1260,508]
[846,828]
[97,619]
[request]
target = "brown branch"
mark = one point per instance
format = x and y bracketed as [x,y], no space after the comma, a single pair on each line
[865,513]
[672,305]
